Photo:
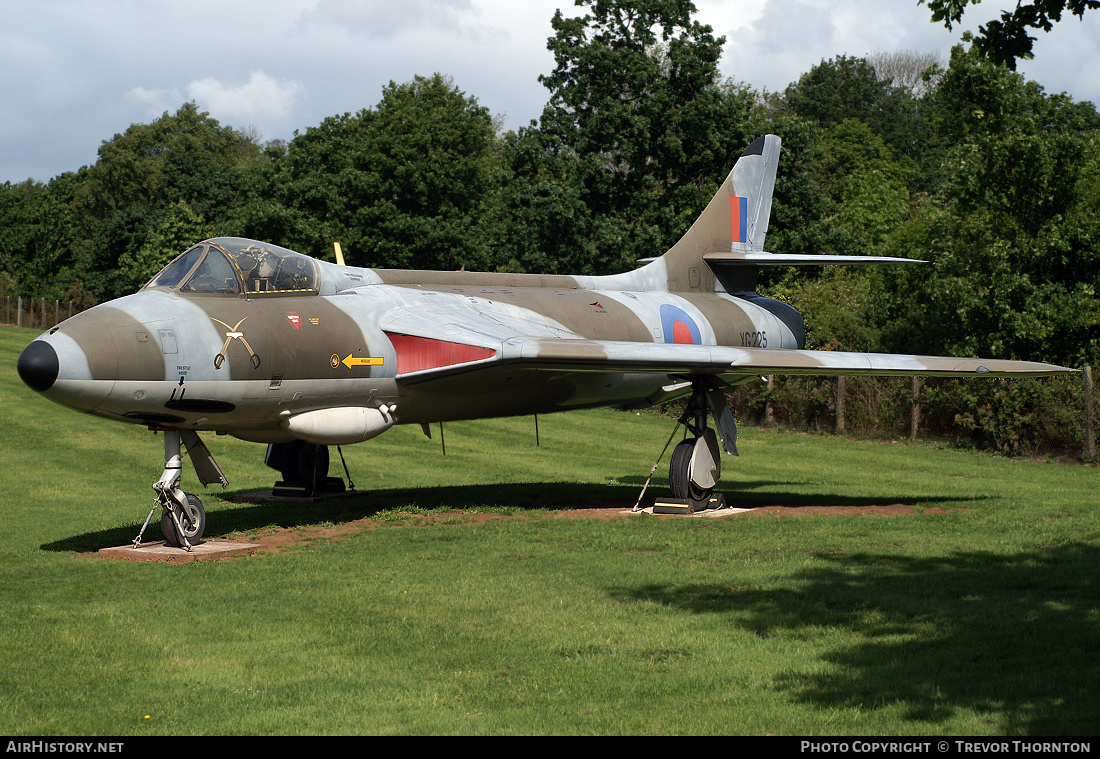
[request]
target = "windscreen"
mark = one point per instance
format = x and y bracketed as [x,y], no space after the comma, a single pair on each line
[225,265]
[268,268]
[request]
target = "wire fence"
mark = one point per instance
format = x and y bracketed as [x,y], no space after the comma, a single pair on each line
[1056,414]
[41,313]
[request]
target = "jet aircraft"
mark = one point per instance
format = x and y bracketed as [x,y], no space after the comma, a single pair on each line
[250,339]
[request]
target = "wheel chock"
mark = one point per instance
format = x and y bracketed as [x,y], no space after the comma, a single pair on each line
[687,506]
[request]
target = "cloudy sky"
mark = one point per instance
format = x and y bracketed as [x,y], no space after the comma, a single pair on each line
[76,72]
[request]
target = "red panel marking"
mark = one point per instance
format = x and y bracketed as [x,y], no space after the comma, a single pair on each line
[417,354]
[681,333]
[739,218]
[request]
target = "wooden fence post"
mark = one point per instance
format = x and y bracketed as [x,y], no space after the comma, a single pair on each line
[1090,433]
[914,411]
[840,403]
[768,412]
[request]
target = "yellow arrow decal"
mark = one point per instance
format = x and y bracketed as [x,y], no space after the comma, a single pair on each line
[350,361]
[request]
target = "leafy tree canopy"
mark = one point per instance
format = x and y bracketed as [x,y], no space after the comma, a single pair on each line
[187,156]
[1006,40]
[410,183]
[636,95]
[845,88]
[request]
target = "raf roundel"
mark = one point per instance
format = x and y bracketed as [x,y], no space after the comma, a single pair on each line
[678,326]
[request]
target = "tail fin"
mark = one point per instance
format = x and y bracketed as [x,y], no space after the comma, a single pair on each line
[734,222]
[725,245]
[753,179]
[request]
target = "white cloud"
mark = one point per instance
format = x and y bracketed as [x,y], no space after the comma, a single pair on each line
[156,102]
[261,99]
[783,39]
[81,71]
[386,18]
[771,43]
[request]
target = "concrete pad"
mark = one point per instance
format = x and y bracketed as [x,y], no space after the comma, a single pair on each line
[158,550]
[268,496]
[709,513]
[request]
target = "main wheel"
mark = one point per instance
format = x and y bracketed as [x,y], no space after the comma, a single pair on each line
[313,463]
[679,473]
[193,526]
[307,463]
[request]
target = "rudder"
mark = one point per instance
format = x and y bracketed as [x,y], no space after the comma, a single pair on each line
[735,220]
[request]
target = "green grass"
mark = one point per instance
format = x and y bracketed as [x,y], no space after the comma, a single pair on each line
[975,614]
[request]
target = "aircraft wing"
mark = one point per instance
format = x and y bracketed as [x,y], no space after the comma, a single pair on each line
[595,355]
[449,342]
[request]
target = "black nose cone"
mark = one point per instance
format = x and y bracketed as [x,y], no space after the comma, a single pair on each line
[38,365]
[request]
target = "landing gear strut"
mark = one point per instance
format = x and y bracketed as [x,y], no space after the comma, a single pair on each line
[183,517]
[696,464]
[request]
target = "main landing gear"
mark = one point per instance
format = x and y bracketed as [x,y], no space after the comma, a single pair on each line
[304,467]
[183,517]
[696,463]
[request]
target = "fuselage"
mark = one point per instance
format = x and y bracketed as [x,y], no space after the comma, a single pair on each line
[216,342]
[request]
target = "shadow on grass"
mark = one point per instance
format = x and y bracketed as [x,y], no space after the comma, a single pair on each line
[1013,636]
[234,515]
[753,493]
[241,516]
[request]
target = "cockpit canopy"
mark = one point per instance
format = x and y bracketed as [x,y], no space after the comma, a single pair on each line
[232,265]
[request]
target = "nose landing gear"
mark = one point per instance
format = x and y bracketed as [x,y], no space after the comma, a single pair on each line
[182,523]
[183,516]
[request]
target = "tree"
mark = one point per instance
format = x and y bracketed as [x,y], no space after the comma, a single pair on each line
[413,182]
[36,234]
[433,173]
[845,88]
[179,229]
[636,97]
[1008,231]
[20,210]
[1007,40]
[141,174]
[1011,148]
[851,142]
[546,224]
[869,190]
[916,73]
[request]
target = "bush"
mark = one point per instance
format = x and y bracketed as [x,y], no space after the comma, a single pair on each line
[1016,417]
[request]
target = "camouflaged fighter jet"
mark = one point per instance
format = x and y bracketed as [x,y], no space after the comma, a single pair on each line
[268,345]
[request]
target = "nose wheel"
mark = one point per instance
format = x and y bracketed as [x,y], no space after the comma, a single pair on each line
[183,524]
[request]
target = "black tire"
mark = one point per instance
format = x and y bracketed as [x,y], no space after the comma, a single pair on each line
[313,464]
[192,530]
[307,463]
[679,476]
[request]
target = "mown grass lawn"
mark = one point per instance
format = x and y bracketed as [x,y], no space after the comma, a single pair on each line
[974,611]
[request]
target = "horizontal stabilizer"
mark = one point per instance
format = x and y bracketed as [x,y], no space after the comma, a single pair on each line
[761,258]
